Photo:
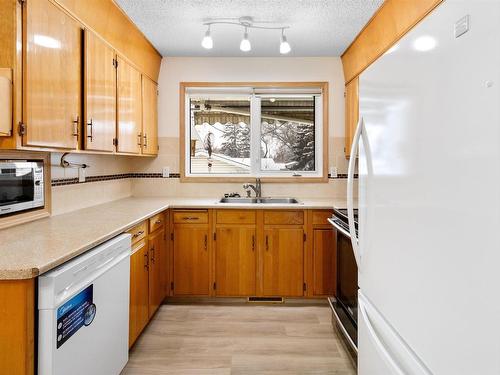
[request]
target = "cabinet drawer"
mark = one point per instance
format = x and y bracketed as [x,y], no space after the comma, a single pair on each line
[156,222]
[191,217]
[319,217]
[284,217]
[138,232]
[235,217]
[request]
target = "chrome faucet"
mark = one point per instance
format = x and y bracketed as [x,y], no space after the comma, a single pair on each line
[257,188]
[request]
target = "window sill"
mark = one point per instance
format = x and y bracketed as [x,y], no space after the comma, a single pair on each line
[296,180]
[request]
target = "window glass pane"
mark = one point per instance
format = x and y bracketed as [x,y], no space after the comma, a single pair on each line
[220,135]
[288,134]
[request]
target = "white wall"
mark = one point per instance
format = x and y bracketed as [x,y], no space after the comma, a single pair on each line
[236,69]
[223,69]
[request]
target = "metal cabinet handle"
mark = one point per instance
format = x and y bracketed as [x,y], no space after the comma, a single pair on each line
[146,261]
[190,218]
[139,137]
[253,242]
[158,222]
[91,136]
[206,241]
[140,233]
[76,122]
[145,140]
[152,255]
[267,242]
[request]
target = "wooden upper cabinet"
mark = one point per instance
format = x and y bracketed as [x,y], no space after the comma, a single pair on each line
[129,108]
[283,262]
[52,49]
[99,95]
[149,116]
[191,260]
[235,260]
[351,113]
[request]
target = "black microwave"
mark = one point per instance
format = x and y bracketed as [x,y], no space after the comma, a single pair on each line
[21,185]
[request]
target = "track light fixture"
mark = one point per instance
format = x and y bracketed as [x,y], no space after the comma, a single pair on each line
[246,23]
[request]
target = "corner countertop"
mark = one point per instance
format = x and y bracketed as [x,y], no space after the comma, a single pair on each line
[31,249]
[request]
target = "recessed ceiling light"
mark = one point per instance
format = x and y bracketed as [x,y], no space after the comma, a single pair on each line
[425,43]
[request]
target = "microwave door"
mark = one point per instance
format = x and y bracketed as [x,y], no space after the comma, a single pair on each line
[17,186]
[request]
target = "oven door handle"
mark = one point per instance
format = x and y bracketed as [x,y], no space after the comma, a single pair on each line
[350,190]
[339,228]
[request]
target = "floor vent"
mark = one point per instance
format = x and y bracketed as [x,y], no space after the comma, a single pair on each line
[266,299]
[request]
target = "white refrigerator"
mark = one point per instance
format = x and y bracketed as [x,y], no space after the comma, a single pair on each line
[429,198]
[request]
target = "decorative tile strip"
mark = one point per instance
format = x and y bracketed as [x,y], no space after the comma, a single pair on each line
[341,175]
[72,181]
[108,177]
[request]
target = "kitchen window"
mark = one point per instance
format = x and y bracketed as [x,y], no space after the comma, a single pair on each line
[236,132]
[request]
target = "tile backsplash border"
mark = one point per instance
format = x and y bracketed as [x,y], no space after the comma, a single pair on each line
[120,176]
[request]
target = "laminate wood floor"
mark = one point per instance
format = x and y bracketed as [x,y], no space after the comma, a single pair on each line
[239,339]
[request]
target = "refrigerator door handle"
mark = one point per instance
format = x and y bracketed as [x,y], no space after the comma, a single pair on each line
[350,189]
[412,364]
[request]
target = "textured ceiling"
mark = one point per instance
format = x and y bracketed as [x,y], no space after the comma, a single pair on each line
[318,27]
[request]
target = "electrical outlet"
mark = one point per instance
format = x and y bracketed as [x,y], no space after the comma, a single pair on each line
[166,172]
[81,174]
[333,172]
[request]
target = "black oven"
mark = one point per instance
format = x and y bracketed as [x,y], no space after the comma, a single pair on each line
[345,303]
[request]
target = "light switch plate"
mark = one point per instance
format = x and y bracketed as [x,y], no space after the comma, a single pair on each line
[333,172]
[166,172]
[81,174]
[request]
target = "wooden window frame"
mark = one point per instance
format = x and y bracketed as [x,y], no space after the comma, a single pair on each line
[324,86]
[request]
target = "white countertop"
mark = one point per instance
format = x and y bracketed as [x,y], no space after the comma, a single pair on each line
[31,249]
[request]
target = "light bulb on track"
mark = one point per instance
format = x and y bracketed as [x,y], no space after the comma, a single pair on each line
[245,44]
[207,41]
[284,45]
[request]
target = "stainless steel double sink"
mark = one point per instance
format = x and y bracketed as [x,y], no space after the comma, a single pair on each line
[259,200]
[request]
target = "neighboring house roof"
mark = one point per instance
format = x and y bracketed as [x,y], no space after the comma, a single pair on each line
[220,164]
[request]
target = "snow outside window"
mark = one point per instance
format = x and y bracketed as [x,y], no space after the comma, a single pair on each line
[254,135]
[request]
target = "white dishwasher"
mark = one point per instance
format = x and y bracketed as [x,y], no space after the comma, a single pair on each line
[84,312]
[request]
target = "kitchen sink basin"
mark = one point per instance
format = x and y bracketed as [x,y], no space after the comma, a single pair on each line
[260,200]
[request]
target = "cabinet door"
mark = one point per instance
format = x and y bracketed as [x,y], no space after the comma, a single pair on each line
[324,262]
[139,286]
[100,94]
[156,245]
[149,116]
[283,262]
[129,108]
[53,83]
[351,112]
[191,260]
[235,261]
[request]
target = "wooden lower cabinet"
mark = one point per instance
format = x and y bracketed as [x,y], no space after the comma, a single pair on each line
[139,290]
[245,252]
[324,262]
[148,274]
[235,260]
[191,264]
[283,262]
[157,266]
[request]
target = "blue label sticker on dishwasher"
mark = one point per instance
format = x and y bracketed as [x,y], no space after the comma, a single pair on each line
[79,311]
